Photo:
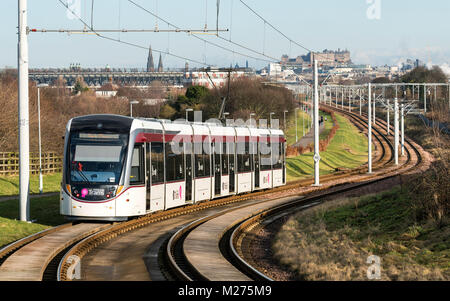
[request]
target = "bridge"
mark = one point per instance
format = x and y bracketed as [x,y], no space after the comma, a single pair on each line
[98,78]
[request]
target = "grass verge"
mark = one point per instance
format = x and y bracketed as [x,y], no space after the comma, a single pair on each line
[348,149]
[303,120]
[334,240]
[10,185]
[328,124]
[45,212]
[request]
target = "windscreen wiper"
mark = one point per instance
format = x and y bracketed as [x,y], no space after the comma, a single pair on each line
[82,175]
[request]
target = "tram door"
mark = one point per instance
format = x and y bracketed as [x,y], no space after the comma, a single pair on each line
[148,177]
[256,158]
[232,164]
[217,173]
[189,176]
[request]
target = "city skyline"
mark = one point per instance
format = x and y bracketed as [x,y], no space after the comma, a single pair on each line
[376,32]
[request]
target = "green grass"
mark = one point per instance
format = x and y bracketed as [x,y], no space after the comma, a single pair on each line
[10,185]
[328,125]
[45,212]
[348,149]
[290,132]
[382,225]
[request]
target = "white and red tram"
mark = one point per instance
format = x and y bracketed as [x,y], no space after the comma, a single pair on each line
[117,167]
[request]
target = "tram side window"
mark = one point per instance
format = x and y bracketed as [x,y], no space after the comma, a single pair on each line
[202,160]
[217,148]
[265,151]
[253,148]
[278,153]
[174,162]
[244,157]
[137,165]
[157,158]
[224,159]
[231,152]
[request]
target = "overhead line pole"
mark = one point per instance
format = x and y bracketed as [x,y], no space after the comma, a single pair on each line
[374,108]
[331,92]
[425,98]
[360,102]
[350,96]
[23,122]
[388,118]
[396,130]
[337,95]
[41,185]
[369,121]
[402,112]
[316,126]
[296,126]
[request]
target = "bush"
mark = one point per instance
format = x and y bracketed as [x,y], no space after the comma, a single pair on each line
[247,96]
[431,192]
[432,188]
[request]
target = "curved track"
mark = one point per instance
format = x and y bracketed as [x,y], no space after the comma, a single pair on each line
[149,243]
[104,253]
[32,258]
[244,234]
[212,249]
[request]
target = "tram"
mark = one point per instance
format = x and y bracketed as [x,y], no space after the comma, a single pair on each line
[117,167]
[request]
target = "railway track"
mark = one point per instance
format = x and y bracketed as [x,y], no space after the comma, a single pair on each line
[32,258]
[57,263]
[384,157]
[214,248]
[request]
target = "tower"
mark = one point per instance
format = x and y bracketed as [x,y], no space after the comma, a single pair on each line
[160,64]
[150,64]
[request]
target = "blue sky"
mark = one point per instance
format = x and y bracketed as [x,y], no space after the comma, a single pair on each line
[405,29]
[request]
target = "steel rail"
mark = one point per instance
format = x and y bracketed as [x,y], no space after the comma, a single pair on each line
[237,260]
[86,245]
[280,211]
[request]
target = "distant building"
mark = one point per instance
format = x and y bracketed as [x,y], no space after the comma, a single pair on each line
[108,90]
[408,65]
[341,70]
[153,101]
[419,63]
[160,64]
[213,78]
[150,64]
[329,58]
[274,69]
[394,69]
